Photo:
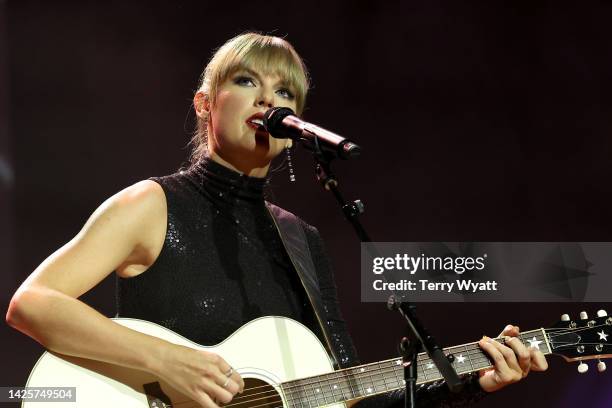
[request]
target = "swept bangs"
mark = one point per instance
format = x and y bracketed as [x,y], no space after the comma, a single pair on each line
[266,54]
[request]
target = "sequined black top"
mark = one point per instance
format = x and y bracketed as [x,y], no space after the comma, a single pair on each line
[223,264]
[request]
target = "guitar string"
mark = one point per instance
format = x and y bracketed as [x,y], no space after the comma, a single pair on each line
[338,374]
[421,358]
[576,330]
[323,397]
[380,372]
[373,382]
[341,373]
[272,392]
[381,381]
[317,400]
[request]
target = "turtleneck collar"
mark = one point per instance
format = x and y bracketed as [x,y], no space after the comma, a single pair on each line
[221,181]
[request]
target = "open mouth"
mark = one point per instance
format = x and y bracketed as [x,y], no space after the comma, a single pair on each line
[256,123]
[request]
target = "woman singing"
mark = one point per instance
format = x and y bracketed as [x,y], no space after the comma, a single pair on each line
[202,253]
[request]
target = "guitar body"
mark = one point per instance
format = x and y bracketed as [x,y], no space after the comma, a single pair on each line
[266,352]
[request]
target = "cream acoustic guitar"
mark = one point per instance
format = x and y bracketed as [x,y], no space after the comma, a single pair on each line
[285,365]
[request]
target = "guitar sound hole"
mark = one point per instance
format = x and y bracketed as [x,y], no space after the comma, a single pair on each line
[257,393]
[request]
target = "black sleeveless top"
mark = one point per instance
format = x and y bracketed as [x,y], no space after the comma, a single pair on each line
[223,264]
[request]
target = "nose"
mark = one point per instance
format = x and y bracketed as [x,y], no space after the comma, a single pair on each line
[265,98]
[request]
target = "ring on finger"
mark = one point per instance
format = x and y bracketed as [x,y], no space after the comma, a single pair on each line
[229,372]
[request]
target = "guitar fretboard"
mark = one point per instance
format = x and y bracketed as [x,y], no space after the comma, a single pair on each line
[376,378]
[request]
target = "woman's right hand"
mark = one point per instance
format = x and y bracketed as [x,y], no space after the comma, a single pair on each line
[200,375]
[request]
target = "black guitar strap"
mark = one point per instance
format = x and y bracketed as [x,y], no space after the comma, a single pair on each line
[294,239]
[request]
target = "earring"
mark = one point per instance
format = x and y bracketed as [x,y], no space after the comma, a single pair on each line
[290,164]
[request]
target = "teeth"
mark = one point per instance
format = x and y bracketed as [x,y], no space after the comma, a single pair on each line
[258,122]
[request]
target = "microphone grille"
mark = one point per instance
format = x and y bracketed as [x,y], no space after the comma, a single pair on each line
[274,116]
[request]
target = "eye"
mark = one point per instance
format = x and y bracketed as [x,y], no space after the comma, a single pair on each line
[243,80]
[285,93]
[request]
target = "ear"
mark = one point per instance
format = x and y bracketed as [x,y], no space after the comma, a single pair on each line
[201,104]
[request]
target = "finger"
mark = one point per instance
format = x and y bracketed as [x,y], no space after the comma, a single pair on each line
[507,369]
[223,366]
[497,358]
[228,384]
[510,330]
[206,401]
[489,381]
[218,393]
[235,375]
[223,369]
[538,361]
[509,356]
[238,379]
[523,355]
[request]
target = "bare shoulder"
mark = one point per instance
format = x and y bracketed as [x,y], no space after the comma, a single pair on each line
[124,234]
[146,195]
[141,207]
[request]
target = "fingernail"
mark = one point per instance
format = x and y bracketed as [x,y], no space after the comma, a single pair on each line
[509,327]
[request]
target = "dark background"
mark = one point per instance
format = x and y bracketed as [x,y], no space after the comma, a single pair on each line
[480,121]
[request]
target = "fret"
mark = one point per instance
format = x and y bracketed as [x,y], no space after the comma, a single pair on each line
[430,370]
[380,374]
[372,388]
[360,377]
[288,394]
[546,342]
[288,391]
[332,390]
[335,388]
[398,372]
[383,374]
[479,359]
[423,366]
[475,355]
[398,368]
[350,378]
[469,358]
[315,395]
[461,360]
[320,390]
[301,389]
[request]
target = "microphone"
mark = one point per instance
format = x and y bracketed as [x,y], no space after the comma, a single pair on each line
[282,123]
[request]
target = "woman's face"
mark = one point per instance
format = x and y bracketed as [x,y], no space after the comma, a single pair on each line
[233,135]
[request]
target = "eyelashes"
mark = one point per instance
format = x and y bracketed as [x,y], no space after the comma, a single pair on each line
[243,80]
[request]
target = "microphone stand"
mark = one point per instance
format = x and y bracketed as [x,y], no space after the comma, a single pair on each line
[419,336]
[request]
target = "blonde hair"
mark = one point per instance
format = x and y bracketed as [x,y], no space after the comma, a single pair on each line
[249,51]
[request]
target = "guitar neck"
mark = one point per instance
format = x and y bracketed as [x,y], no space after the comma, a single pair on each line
[376,378]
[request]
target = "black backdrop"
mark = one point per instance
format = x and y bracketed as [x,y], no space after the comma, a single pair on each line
[480,121]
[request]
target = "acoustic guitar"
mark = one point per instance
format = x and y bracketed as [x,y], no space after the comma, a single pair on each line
[285,365]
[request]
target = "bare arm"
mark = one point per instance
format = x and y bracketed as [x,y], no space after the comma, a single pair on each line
[45,307]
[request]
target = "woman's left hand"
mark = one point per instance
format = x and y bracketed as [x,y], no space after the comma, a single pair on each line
[513,361]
